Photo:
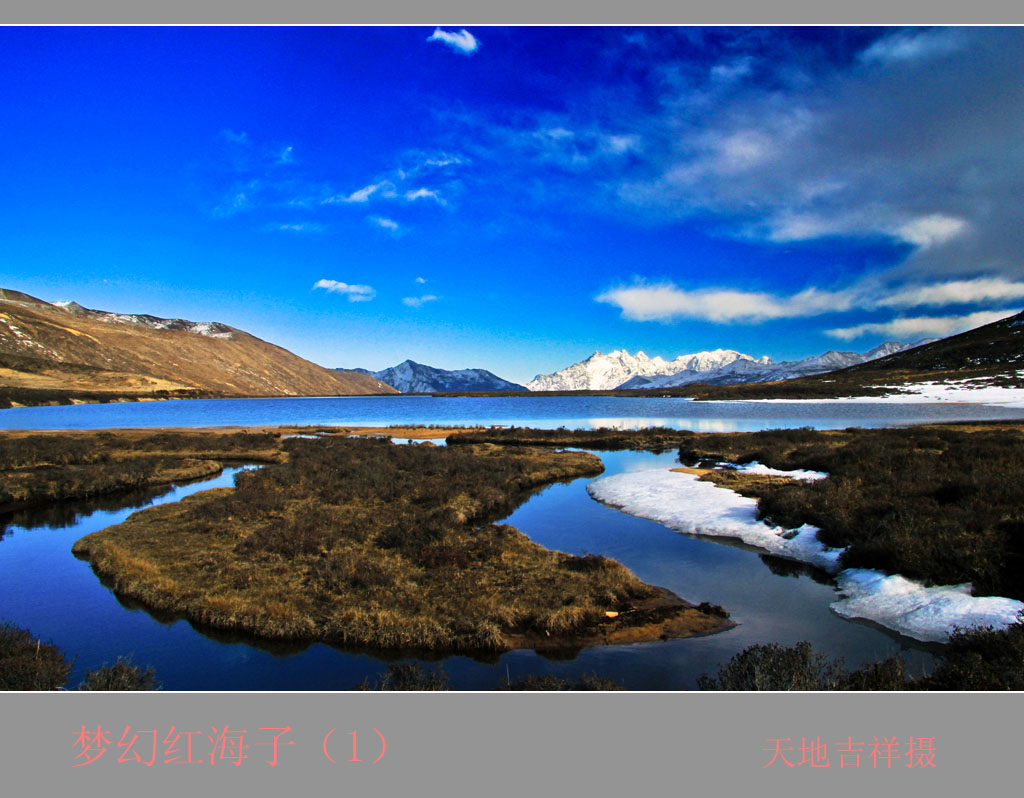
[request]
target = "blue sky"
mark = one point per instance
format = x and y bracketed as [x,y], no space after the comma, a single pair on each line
[516,198]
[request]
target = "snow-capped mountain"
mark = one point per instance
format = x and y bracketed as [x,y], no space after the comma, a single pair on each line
[621,370]
[412,377]
[601,372]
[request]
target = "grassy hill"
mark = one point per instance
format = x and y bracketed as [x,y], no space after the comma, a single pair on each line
[66,353]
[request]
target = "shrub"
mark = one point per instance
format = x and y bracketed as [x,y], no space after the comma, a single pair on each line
[408,676]
[122,675]
[586,682]
[26,663]
[772,667]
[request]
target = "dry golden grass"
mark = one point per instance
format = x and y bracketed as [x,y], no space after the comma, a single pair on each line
[361,542]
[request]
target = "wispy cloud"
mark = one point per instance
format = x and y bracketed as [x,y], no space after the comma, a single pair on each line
[420,280]
[912,46]
[667,302]
[954,292]
[235,138]
[300,227]
[461,41]
[424,193]
[385,188]
[384,223]
[825,142]
[352,292]
[921,326]
[418,301]
[286,156]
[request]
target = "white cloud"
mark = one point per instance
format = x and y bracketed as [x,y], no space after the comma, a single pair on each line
[424,193]
[912,46]
[384,223]
[921,326]
[913,141]
[420,280]
[667,302]
[936,228]
[352,292]
[384,188]
[982,289]
[235,138]
[303,227]
[731,71]
[286,156]
[418,301]
[461,42]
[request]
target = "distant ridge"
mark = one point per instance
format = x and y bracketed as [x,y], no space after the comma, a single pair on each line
[58,351]
[412,377]
[623,371]
[987,356]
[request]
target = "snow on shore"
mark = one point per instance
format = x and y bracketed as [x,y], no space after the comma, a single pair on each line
[682,502]
[924,613]
[756,468]
[969,391]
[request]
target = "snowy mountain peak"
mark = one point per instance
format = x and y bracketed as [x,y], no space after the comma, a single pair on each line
[619,369]
[601,372]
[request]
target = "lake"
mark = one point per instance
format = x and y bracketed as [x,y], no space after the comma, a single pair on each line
[43,587]
[575,412]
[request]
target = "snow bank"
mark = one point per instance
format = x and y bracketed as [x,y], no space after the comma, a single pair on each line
[756,468]
[682,502]
[924,613]
[969,391]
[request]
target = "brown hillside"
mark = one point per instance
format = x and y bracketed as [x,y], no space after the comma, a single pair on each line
[48,349]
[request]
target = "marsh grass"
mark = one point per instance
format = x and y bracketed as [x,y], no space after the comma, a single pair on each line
[49,467]
[364,543]
[941,504]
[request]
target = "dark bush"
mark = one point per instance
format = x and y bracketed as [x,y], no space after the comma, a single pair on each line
[587,682]
[408,676]
[26,663]
[772,667]
[122,675]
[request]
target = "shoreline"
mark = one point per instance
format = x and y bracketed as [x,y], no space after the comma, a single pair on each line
[480,587]
[905,606]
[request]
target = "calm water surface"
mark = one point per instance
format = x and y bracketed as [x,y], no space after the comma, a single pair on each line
[43,587]
[535,411]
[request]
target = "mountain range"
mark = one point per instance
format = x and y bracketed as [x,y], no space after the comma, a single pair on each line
[620,370]
[58,352]
[412,377]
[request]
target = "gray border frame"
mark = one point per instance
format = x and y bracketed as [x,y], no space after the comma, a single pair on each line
[511,744]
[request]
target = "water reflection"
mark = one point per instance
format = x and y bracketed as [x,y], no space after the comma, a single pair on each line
[43,587]
[693,424]
[536,411]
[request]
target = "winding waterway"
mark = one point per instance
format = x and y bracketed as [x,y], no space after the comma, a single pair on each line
[43,587]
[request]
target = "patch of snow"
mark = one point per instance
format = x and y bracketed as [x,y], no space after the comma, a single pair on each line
[756,468]
[968,391]
[682,502]
[924,613]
